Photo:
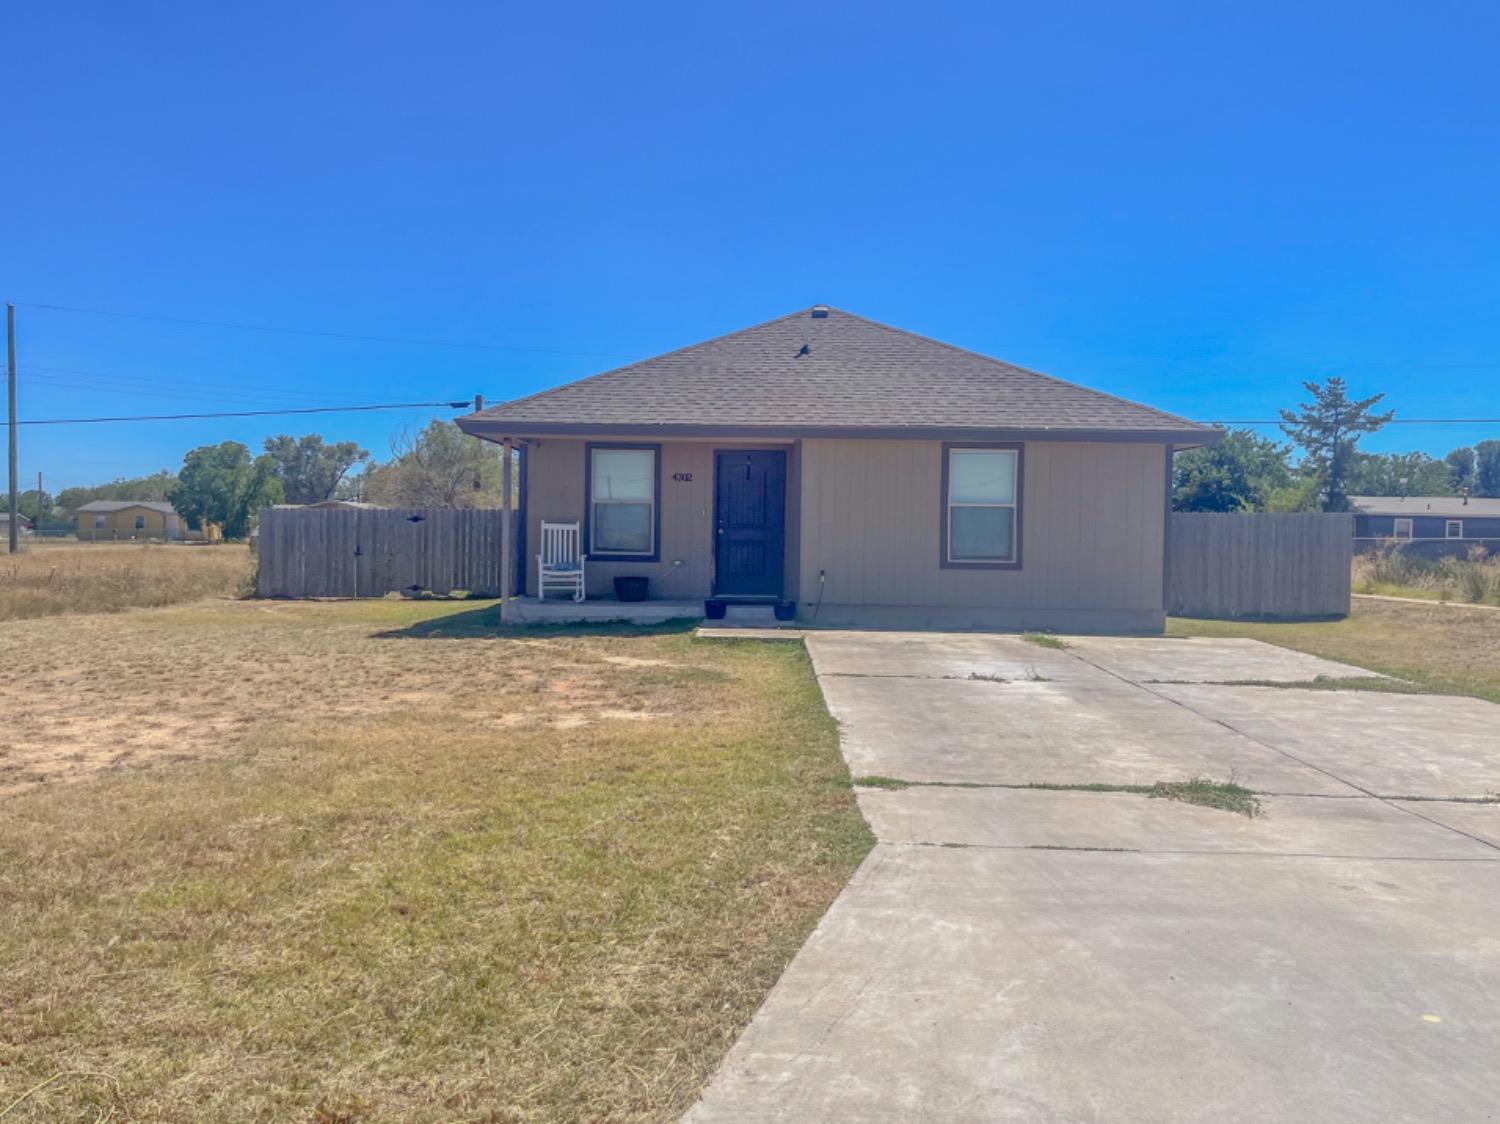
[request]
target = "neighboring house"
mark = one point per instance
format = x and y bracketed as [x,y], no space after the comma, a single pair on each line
[124,520]
[21,521]
[872,476]
[1432,525]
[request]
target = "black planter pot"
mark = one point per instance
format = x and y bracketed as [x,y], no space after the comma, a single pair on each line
[715,610]
[632,589]
[786,611]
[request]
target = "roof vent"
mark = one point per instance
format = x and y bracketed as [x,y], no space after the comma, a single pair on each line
[820,312]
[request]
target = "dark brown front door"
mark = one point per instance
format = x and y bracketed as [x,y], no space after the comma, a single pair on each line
[749,522]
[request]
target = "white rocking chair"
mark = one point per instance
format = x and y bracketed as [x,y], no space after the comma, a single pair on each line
[560,565]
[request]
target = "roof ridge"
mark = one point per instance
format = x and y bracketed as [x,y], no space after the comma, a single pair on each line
[1017,367]
[648,359]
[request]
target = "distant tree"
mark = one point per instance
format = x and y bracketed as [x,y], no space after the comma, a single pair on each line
[35,505]
[222,484]
[1328,430]
[440,467]
[1460,464]
[1304,493]
[1399,474]
[1487,468]
[309,469]
[1240,473]
[153,487]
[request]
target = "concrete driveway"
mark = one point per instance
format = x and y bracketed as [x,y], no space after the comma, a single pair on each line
[1019,954]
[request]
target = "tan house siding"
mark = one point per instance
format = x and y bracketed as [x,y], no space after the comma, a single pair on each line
[867,515]
[120,525]
[1092,535]
[554,478]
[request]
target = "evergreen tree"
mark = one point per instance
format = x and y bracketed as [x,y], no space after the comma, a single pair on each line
[1328,430]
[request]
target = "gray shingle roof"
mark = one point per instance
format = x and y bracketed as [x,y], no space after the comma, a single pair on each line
[1453,507]
[803,373]
[94,506]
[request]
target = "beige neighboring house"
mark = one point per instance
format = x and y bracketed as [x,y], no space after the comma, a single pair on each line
[870,475]
[127,520]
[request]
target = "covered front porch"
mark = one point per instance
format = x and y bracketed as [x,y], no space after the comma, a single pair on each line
[684,522]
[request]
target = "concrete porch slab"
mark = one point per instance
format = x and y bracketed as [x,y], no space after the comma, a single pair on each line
[531,611]
[714,631]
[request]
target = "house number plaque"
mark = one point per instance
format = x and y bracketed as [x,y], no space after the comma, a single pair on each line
[683,477]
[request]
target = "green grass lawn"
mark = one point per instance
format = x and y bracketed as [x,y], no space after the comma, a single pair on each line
[1449,648]
[421,873]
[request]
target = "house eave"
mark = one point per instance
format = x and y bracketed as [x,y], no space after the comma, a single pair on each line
[495,429]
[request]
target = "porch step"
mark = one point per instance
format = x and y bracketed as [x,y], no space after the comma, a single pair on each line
[750,616]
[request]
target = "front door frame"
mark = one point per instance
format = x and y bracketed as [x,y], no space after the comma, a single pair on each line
[786,473]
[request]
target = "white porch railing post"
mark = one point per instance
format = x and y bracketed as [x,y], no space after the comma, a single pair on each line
[507,548]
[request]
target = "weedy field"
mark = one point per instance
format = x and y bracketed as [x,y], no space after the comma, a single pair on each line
[1394,572]
[377,861]
[52,578]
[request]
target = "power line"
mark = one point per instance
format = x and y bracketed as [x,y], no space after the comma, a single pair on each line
[326,334]
[1393,421]
[224,398]
[133,381]
[464,405]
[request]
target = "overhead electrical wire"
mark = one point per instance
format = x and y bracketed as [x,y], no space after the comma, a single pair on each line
[132,382]
[1393,421]
[464,405]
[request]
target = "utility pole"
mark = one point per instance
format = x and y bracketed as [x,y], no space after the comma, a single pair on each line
[10,396]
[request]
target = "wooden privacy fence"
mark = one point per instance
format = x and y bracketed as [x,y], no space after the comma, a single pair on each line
[1290,565]
[369,552]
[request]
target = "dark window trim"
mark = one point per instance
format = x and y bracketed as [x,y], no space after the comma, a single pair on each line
[944,562]
[588,503]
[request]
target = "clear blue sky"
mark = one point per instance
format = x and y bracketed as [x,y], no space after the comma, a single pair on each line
[1192,205]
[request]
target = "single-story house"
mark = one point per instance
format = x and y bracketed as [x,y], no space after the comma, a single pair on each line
[1431,526]
[867,474]
[22,523]
[125,520]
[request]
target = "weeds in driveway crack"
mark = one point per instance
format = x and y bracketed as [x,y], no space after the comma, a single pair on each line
[1377,683]
[1044,640]
[1226,796]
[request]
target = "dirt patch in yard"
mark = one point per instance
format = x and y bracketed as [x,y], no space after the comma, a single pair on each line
[87,693]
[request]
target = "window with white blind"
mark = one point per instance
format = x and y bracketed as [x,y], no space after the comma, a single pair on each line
[981,506]
[624,492]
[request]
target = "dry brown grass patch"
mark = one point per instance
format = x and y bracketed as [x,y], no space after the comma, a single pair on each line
[394,889]
[49,579]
